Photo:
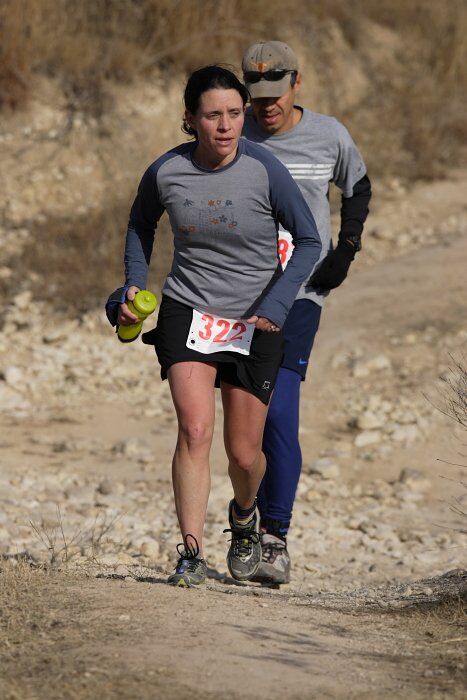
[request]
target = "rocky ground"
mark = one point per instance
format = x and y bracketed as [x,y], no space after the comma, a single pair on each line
[87,432]
[89,429]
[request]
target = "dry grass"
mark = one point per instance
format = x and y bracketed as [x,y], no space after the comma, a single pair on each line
[69,636]
[16,579]
[73,273]
[412,118]
[88,541]
[409,121]
[455,383]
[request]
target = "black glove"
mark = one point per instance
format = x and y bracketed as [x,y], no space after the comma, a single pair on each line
[334,268]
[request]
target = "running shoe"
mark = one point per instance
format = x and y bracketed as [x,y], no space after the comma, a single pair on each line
[191,569]
[244,555]
[274,567]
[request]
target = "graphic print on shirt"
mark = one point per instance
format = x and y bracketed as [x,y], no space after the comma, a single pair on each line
[214,216]
[310,171]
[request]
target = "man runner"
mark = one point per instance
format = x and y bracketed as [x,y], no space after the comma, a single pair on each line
[317,150]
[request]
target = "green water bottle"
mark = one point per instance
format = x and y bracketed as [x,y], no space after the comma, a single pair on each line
[143,305]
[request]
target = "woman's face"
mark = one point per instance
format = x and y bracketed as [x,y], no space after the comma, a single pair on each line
[219,123]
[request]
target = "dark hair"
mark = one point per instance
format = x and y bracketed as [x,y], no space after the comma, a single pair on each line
[208,78]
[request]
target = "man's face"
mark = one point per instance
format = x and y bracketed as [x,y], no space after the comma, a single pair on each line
[276,114]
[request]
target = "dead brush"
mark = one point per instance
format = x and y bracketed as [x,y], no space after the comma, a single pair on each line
[454,406]
[17,580]
[409,124]
[455,383]
[87,542]
[455,395]
[444,626]
[16,56]
[412,119]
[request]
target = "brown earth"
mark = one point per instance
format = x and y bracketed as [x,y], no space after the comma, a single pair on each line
[87,429]
[75,637]
[352,624]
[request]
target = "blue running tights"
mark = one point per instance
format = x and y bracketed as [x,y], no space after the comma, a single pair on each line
[281,446]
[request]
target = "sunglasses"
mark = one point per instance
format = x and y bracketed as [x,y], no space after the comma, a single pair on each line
[254,76]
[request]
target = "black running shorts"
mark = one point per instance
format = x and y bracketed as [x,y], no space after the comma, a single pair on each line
[255,372]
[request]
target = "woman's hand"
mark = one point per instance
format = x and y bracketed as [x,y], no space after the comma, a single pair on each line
[263,324]
[125,316]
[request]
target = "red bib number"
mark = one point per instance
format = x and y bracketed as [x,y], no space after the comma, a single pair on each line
[209,333]
[285,247]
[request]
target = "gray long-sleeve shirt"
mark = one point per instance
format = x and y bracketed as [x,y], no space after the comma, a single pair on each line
[317,151]
[225,224]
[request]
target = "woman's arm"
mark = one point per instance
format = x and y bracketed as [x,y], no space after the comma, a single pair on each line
[145,213]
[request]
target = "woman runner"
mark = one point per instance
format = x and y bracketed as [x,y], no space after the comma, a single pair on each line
[223,305]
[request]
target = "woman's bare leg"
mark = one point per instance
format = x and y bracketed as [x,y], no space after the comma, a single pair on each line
[244,418]
[192,387]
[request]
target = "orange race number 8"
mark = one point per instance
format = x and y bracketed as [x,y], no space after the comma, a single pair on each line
[283,248]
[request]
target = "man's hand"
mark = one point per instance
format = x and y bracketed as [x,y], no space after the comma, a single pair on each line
[263,324]
[334,268]
[125,316]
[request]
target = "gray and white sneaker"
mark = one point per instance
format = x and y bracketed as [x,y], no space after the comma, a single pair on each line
[244,555]
[191,569]
[274,567]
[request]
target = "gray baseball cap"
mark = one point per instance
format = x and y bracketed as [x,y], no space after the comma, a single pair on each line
[266,56]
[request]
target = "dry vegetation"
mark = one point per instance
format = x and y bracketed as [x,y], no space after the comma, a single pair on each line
[391,70]
[67,636]
[409,123]
[413,115]
[69,242]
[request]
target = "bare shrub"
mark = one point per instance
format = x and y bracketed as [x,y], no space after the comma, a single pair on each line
[455,407]
[410,122]
[412,119]
[456,391]
[88,541]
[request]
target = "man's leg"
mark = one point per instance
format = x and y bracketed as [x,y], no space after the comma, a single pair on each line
[283,454]
[281,443]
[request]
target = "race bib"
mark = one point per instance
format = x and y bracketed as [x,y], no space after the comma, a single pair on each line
[209,333]
[285,247]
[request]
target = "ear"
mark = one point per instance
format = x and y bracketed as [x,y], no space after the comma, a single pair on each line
[298,83]
[189,119]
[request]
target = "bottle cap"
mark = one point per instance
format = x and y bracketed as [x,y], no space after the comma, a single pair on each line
[145,302]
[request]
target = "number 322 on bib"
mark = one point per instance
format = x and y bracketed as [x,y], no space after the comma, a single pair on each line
[209,333]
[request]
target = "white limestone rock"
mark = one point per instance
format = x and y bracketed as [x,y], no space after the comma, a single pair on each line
[367,437]
[324,467]
[415,480]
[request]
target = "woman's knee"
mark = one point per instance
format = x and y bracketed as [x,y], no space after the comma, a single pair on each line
[244,457]
[195,433]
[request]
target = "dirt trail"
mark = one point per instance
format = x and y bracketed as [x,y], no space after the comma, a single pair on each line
[385,338]
[116,639]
